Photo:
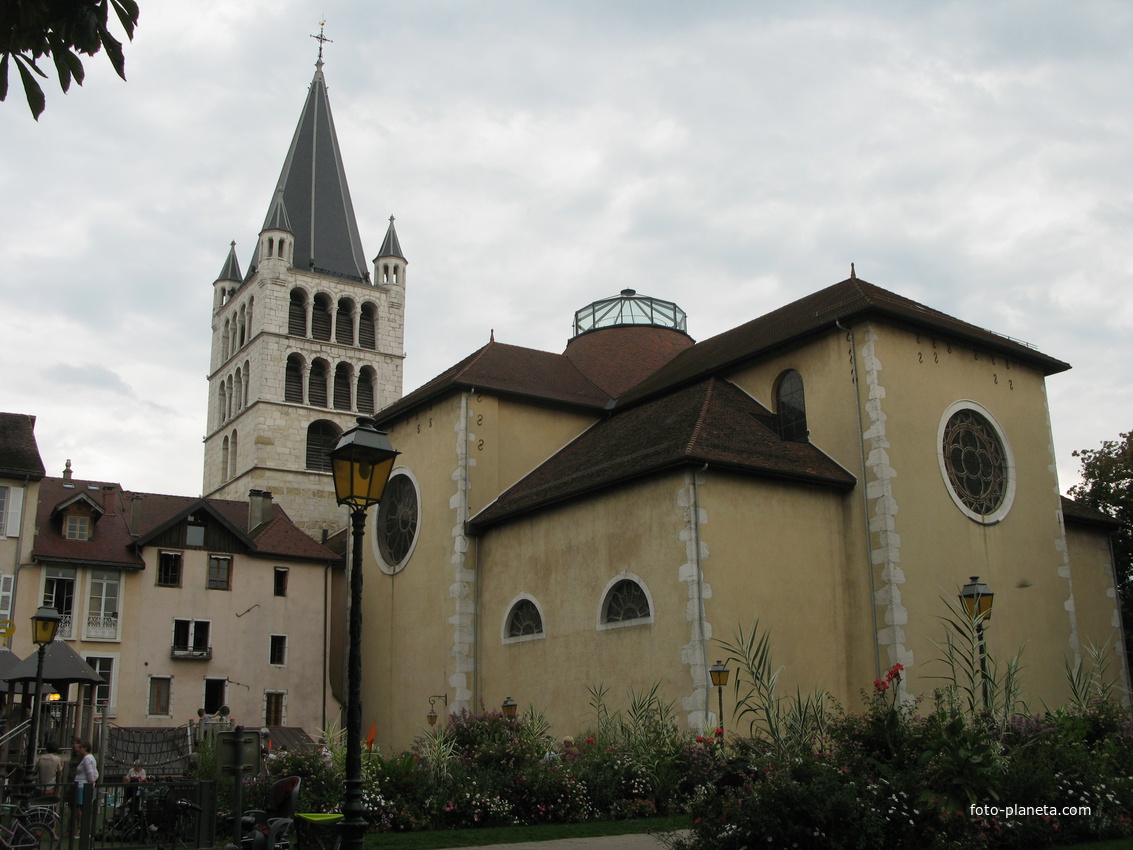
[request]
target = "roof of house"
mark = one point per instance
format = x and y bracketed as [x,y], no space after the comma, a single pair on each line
[19,453]
[820,312]
[113,544]
[712,422]
[1076,512]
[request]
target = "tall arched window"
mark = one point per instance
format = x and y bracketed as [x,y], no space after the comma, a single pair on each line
[224,459]
[238,391]
[231,401]
[320,317]
[342,381]
[247,382]
[344,322]
[222,404]
[366,379]
[297,313]
[232,456]
[243,323]
[321,438]
[317,384]
[293,379]
[368,327]
[790,407]
[224,342]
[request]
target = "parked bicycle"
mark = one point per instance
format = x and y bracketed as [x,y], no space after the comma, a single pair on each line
[28,827]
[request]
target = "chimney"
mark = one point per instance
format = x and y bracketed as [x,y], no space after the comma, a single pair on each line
[136,515]
[259,508]
[67,471]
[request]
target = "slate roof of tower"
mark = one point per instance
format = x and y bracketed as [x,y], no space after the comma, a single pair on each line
[711,422]
[316,195]
[390,246]
[818,313]
[113,544]
[231,268]
[19,453]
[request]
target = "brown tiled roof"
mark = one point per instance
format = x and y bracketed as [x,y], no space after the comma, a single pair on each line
[1079,513]
[508,370]
[712,422]
[618,358]
[817,313]
[19,453]
[113,544]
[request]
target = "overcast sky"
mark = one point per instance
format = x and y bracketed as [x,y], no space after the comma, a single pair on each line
[729,156]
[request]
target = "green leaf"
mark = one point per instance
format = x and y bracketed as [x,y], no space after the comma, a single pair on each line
[4,77]
[114,52]
[127,12]
[36,101]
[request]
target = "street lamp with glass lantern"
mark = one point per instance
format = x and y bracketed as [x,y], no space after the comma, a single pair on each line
[976,599]
[509,707]
[45,626]
[719,672]
[361,463]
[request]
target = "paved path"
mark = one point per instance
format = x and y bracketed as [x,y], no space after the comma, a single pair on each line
[640,841]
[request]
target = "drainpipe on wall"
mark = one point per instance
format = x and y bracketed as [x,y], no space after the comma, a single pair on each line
[865,498]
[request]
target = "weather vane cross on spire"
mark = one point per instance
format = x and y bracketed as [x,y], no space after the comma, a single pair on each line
[321,39]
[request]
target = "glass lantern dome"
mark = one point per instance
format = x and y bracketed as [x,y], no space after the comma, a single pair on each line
[629,308]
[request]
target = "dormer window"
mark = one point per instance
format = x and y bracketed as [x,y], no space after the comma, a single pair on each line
[77,528]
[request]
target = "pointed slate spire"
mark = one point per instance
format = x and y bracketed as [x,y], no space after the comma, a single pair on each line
[313,197]
[390,246]
[231,269]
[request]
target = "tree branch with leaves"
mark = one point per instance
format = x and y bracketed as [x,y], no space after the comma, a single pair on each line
[61,30]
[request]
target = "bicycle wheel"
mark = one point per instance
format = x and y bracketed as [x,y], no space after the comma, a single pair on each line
[47,837]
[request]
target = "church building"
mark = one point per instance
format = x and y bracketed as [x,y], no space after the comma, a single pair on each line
[306,339]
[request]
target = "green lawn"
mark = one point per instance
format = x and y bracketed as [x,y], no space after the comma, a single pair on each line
[438,839]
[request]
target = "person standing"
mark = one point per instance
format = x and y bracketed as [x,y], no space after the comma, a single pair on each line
[85,774]
[49,770]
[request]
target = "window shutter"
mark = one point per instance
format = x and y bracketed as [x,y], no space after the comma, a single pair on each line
[14,512]
[7,582]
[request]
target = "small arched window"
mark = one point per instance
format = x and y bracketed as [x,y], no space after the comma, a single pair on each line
[790,407]
[224,342]
[222,404]
[231,407]
[321,438]
[317,384]
[366,390]
[224,459]
[524,620]
[625,602]
[293,379]
[238,392]
[247,382]
[297,313]
[232,456]
[343,378]
[368,327]
[344,322]
[320,318]
[271,247]
[251,303]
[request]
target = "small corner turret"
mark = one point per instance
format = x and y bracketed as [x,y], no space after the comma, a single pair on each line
[390,263]
[228,281]
[277,239]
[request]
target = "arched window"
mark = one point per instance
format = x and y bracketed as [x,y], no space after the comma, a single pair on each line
[293,379]
[524,620]
[231,401]
[790,407]
[344,322]
[321,438]
[232,457]
[625,602]
[366,378]
[251,303]
[224,460]
[342,381]
[243,323]
[224,342]
[320,318]
[238,391]
[297,313]
[271,247]
[317,384]
[368,327]
[222,404]
[247,382]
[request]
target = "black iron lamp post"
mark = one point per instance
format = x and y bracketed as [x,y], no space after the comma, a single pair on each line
[719,672]
[432,715]
[977,598]
[45,625]
[509,707]
[361,463]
